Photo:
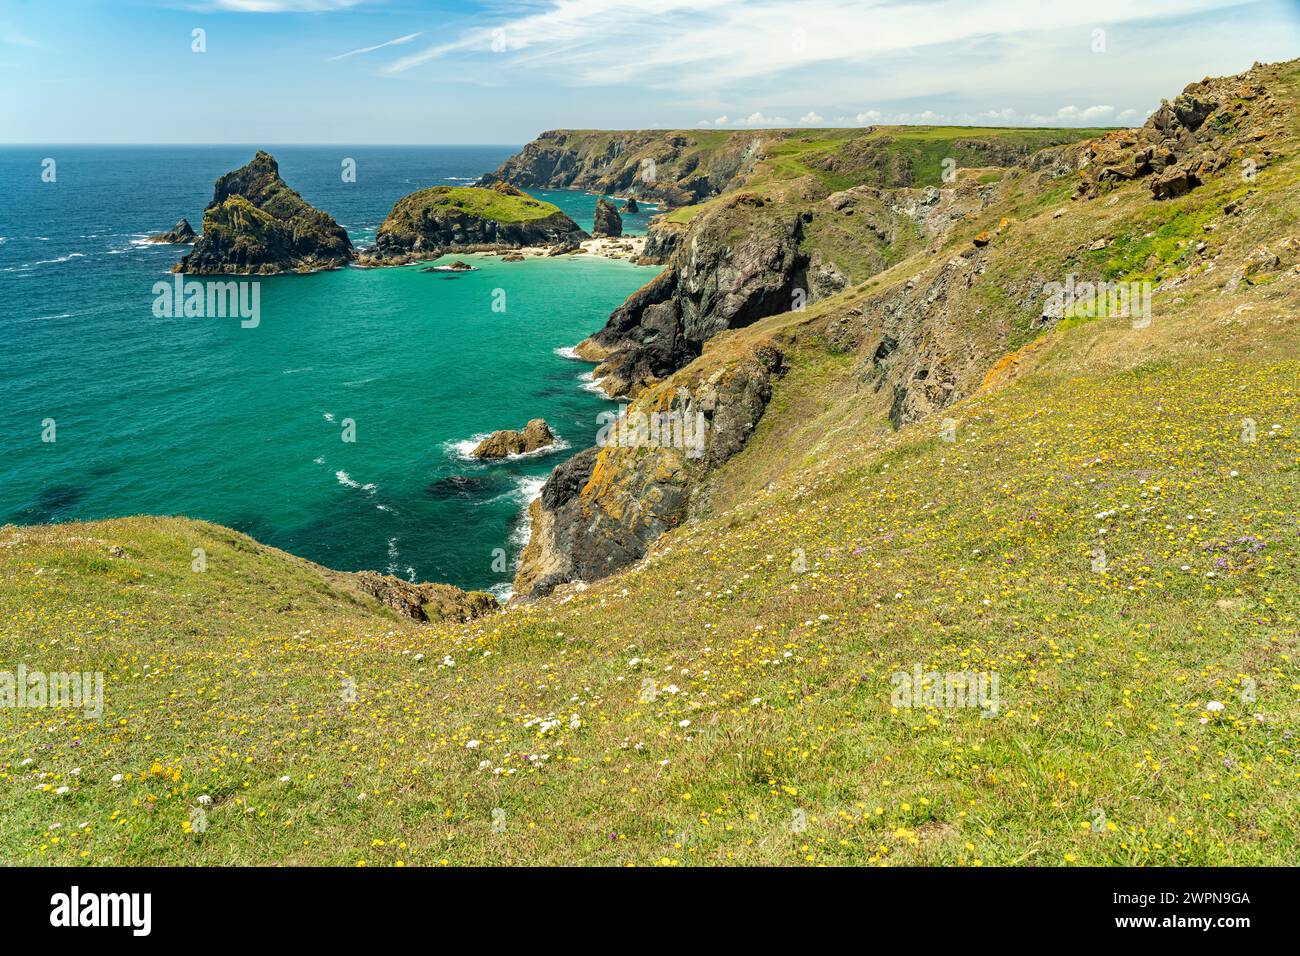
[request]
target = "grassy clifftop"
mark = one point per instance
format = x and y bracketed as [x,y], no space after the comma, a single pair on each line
[481,203]
[686,167]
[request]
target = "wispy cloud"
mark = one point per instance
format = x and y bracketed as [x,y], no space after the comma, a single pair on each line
[396,41]
[703,44]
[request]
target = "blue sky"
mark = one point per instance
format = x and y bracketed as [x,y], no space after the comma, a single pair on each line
[428,71]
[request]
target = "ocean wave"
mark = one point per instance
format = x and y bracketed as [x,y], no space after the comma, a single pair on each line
[462,449]
[28,266]
[569,352]
[348,482]
[527,490]
[329,416]
[592,384]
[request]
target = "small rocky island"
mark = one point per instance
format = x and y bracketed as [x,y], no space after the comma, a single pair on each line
[257,225]
[180,234]
[433,221]
[536,435]
[607,220]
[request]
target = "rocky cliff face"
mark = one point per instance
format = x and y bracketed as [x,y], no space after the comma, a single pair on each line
[256,224]
[433,221]
[761,251]
[602,509]
[737,264]
[679,167]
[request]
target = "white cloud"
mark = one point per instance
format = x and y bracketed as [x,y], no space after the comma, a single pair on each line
[396,41]
[695,44]
[1089,114]
[757,119]
[811,118]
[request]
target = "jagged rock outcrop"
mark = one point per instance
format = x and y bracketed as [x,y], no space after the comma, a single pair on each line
[602,509]
[1211,125]
[661,240]
[740,263]
[502,444]
[425,602]
[180,234]
[631,205]
[257,225]
[607,220]
[440,219]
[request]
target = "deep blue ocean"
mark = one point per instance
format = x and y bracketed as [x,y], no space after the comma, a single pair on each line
[244,425]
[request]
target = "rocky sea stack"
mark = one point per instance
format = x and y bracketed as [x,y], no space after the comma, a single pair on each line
[607,221]
[536,435]
[180,234]
[256,224]
[439,219]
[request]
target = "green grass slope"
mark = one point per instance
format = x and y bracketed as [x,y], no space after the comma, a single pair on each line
[770,634]
[1112,530]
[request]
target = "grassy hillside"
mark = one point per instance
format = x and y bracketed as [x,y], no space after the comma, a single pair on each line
[1108,523]
[773,685]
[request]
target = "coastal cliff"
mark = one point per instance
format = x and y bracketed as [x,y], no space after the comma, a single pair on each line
[677,167]
[257,225]
[925,288]
[605,507]
[941,466]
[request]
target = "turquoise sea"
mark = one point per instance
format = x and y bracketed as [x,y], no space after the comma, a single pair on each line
[245,426]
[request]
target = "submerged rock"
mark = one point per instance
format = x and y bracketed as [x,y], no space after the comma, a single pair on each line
[502,444]
[256,224]
[455,486]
